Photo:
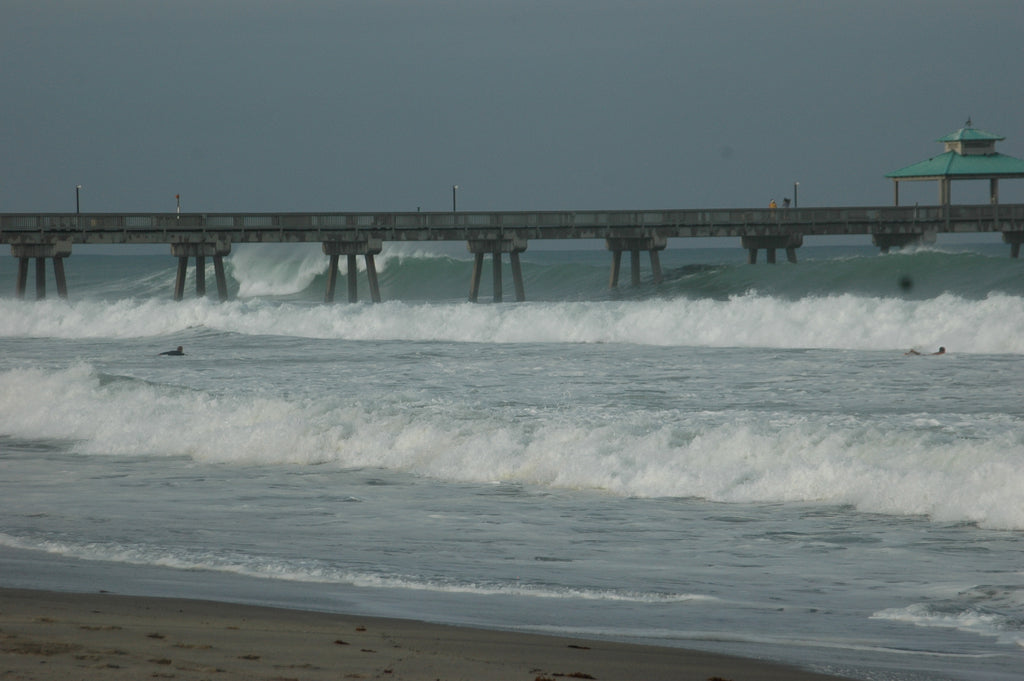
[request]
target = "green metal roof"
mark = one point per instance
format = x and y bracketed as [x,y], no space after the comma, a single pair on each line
[952,164]
[969,134]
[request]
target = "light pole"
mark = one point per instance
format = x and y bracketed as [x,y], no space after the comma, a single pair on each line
[455,189]
[796,187]
[78,205]
[177,197]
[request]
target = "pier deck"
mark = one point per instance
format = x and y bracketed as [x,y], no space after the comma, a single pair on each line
[199,235]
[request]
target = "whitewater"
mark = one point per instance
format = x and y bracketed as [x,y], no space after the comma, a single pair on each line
[741,458]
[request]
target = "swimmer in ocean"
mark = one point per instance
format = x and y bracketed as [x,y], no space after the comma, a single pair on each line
[174,352]
[912,351]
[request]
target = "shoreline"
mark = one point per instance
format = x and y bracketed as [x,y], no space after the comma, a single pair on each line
[48,635]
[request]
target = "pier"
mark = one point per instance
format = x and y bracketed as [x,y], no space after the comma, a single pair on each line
[197,236]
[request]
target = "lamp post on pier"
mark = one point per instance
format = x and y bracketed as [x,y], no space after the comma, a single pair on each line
[78,205]
[455,189]
[796,187]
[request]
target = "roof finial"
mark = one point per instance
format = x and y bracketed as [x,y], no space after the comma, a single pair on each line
[968,123]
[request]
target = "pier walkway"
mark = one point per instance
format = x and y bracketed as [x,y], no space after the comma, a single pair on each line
[200,235]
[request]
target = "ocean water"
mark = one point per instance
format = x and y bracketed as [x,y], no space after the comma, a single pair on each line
[740,459]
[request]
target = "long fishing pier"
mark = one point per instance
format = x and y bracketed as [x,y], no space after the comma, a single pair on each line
[201,235]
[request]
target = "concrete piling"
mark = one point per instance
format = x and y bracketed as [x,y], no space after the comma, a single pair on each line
[496,247]
[40,278]
[517,276]
[1014,239]
[179,279]
[200,275]
[222,281]
[613,280]
[332,278]
[351,249]
[22,280]
[770,243]
[56,251]
[353,270]
[474,278]
[58,275]
[198,251]
[651,244]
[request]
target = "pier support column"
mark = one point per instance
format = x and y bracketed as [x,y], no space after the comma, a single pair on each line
[40,278]
[332,278]
[517,276]
[22,281]
[222,280]
[58,275]
[200,275]
[474,279]
[771,243]
[371,276]
[353,270]
[651,244]
[496,246]
[655,265]
[40,252]
[496,271]
[199,251]
[351,249]
[179,279]
[885,241]
[613,280]
[1015,239]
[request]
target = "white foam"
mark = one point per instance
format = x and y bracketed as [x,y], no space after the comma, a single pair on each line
[972,621]
[992,325]
[318,573]
[735,457]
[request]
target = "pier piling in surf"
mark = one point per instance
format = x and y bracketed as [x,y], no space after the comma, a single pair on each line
[199,251]
[368,249]
[770,243]
[496,246]
[1014,239]
[617,245]
[39,252]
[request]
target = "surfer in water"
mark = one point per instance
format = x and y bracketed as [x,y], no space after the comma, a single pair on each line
[174,352]
[912,351]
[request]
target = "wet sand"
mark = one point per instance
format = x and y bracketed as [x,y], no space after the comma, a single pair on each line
[60,636]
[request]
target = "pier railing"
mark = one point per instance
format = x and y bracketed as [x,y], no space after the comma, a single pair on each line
[109,228]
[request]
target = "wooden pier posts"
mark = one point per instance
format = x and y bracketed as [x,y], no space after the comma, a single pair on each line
[651,244]
[367,249]
[770,243]
[40,252]
[199,251]
[511,245]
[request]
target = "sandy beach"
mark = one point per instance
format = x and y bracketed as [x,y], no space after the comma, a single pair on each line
[50,635]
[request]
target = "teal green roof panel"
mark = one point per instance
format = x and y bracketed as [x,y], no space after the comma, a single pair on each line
[952,164]
[969,134]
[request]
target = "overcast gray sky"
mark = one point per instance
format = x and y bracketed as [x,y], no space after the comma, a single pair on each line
[260,105]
